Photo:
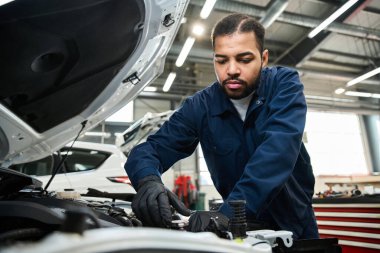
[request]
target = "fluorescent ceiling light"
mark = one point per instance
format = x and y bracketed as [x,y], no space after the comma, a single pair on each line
[150,88]
[363,77]
[2,2]
[207,8]
[198,29]
[339,91]
[330,99]
[358,94]
[169,81]
[330,19]
[185,51]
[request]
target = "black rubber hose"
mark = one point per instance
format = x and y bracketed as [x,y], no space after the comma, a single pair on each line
[22,234]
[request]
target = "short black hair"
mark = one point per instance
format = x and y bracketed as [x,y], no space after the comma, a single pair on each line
[239,23]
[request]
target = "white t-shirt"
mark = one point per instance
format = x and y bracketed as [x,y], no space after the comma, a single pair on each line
[241,105]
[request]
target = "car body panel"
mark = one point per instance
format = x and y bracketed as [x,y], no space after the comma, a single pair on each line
[140,240]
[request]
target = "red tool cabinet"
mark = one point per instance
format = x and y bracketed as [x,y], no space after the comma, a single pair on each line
[354,221]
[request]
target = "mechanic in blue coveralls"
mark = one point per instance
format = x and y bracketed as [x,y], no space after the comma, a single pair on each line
[249,124]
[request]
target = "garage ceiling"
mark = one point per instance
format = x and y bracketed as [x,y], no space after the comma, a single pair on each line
[346,49]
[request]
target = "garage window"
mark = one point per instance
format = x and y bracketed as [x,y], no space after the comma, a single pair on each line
[204,174]
[335,143]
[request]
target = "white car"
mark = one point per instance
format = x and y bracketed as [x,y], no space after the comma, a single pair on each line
[87,165]
[139,131]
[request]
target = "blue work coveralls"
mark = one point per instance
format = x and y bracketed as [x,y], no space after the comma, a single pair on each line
[261,160]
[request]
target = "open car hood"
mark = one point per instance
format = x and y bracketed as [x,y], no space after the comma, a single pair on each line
[68,65]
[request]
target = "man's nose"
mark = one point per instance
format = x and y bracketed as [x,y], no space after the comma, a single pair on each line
[233,69]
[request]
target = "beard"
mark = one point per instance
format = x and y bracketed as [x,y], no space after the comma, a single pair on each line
[246,89]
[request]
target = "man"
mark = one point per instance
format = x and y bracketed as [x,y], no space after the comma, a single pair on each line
[249,124]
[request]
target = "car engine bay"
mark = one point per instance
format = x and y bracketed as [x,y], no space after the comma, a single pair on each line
[28,213]
[32,216]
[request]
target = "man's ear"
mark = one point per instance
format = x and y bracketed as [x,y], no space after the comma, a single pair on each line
[265,58]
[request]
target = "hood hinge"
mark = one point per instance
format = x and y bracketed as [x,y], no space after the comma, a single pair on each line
[133,79]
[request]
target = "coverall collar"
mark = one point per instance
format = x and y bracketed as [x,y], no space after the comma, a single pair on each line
[223,104]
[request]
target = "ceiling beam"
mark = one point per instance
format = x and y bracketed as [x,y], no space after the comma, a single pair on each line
[306,47]
[201,55]
[273,9]
[349,55]
[292,18]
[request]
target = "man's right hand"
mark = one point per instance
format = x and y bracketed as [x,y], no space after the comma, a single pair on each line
[153,201]
[201,220]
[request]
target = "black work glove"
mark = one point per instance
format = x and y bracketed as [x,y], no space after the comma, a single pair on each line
[202,221]
[153,201]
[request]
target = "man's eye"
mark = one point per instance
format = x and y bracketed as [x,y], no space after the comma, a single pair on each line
[220,61]
[246,60]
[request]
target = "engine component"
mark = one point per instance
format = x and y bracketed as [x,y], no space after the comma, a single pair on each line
[238,223]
